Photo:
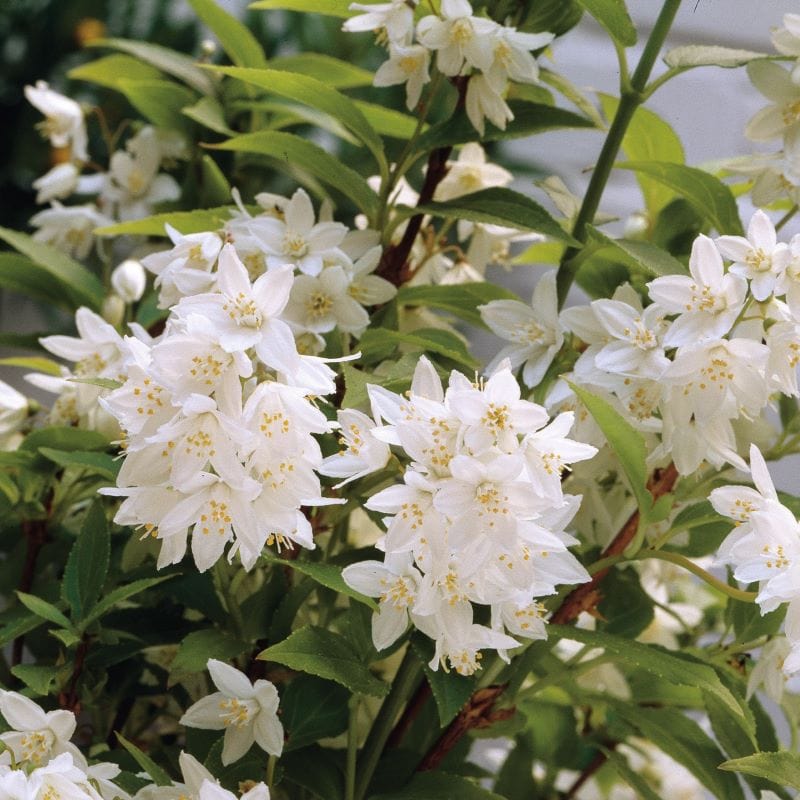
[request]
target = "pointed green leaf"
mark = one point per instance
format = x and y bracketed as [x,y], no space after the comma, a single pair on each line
[331,8]
[649,258]
[327,655]
[335,72]
[36,363]
[20,274]
[87,565]
[209,113]
[312,709]
[109,70]
[782,768]
[120,594]
[64,439]
[439,785]
[156,773]
[79,284]
[377,341]
[39,678]
[461,300]
[98,463]
[696,55]
[43,609]
[614,17]
[236,38]
[197,647]
[496,206]
[289,150]
[161,102]
[199,221]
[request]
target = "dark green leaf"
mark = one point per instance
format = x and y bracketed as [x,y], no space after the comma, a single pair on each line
[198,646]
[236,39]
[35,677]
[711,198]
[87,565]
[461,300]
[18,273]
[120,594]
[291,151]
[313,709]
[79,284]
[156,773]
[327,655]
[377,341]
[325,780]
[439,785]
[99,463]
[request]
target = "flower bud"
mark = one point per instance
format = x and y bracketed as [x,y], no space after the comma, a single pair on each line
[14,411]
[636,226]
[113,310]
[129,280]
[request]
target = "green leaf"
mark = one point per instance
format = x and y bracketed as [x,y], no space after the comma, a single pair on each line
[67,637]
[63,439]
[99,463]
[109,70]
[215,187]
[327,655]
[333,71]
[43,609]
[461,300]
[439,785]
[324,781]
[160,101]
[197,647]
[313,709]
[648,138]
[397,379]
[633,779]
[613,16]
[645,256]
[685,741]
[80,285]
[653,659]
[209,113]
[387,121]
[198,221]
[87,565]
[711,198]
[697,55]
[782,767]
[572,93]
[289,150]
[162,58]
[331,8]
[625,608]
[156,773]
[236,39]
[103,383]
[38,678]
[496,206]
[627,443]
[120,594]
[529,119]
[450,690]
[20,274]
[314,93]
[426,340]
[328,575]
[36,363]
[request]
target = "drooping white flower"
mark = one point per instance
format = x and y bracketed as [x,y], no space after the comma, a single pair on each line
[14,410]
[63,124]
[776,84]
[396,18]
[56,184]
[758,257]
[408,64]
[484,102]
[246,711]
[69,228]
[512,58]
[471,172]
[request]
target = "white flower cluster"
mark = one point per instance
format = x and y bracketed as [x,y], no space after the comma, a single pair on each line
[479,518]
[218,420]
[764,547]
[40,762]
[711,348]
[128,189]
[491,55]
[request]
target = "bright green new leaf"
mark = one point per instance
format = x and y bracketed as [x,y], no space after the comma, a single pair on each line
[37,678]
[236,38]
[312,709]
[209,113]
[572,93]
[161,102]
[333,71]
[377,341]
[529,119]
[654,261]
[214,185]
[327,655]
[80,285]
[37,363]
[162,58]
[782,767]
[496,206]
[290,151]
[627,443]
[330,8]
[614,17]
[318,95]
[87,565]
[461,300]
[156,773]
[388,121]
[711,198]
[108,71]
[199,221]
[697,55]
[43,609]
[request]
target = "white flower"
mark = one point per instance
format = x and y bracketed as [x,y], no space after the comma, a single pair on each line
[395,17]
[361,454]
[776,84]
[36,736]
[211,790]
[129,280]
[14,410]
[708,302]
[409,64]
[768,670]
[533,330]
[485,102]
[458,37]
[246,711]
[787,41]
[739,502]
[60,182]
[298,240]
[69,228]
[759,257]
[470,173]
[512,59]
[63,125]
[324,302]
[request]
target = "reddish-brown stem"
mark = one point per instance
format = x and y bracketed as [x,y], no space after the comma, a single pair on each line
[588,771]
[69,699]
[408,716]
[35,531]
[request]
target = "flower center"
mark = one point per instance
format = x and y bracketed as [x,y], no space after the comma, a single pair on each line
[295,245]
[235,713]
[243,311]
[462,33]
[318,305]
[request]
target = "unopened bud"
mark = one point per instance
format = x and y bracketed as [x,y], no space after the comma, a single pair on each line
[113,310]
[208,47]
[129,280]
[636,226]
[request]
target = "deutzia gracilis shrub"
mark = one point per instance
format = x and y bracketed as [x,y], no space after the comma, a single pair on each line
[271,529]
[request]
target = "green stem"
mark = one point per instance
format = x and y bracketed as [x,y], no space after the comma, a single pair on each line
[352,750]
[404,685]
[272,761]
[629,102]
[787,216]
[687,564]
